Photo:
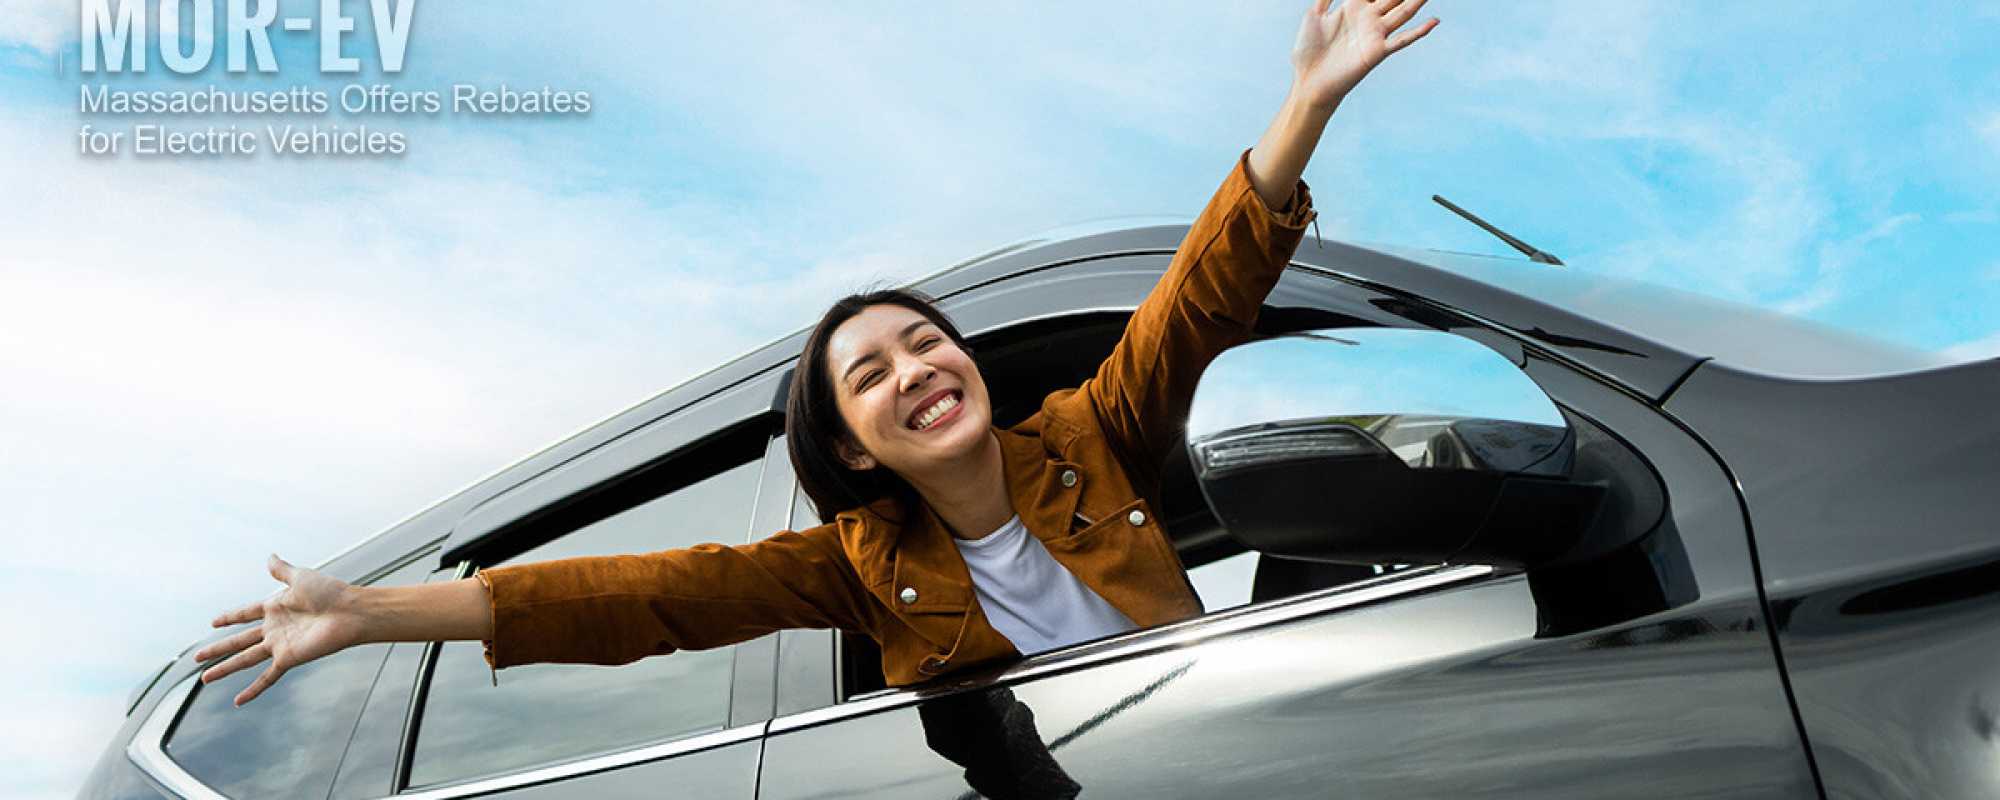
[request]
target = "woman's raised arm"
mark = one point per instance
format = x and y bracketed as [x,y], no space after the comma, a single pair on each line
[319,615]
[1335,49]
[1238,247]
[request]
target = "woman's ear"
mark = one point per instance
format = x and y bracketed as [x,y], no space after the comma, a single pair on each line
[853,456]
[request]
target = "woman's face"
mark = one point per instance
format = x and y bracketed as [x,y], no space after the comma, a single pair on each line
[912,398]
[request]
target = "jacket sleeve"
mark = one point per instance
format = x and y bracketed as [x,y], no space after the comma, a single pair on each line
[618,609]
[1206,302]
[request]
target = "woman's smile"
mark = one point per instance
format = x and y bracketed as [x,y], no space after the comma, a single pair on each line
[913,399]
[936,411]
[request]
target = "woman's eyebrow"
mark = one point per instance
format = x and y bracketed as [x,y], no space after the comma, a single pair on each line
[875,354]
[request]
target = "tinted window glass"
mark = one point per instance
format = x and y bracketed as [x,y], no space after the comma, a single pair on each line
[288,741]
[805,657]
[368,769]
[544,713]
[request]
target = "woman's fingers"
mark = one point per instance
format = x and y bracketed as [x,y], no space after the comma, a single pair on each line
[1402,40]
[1383,7]
[236,663]
[257,687]
[231,644]
[280,570]
[249,613]
[1395,17]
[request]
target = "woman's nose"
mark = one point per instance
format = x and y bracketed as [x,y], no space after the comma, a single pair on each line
[916,373]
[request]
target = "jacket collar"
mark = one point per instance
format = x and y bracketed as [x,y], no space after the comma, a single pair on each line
[1035,467]
[922,551]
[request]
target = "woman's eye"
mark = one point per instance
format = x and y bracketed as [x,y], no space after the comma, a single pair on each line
[926,344]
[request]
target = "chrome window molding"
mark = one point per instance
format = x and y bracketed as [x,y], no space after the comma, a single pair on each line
[147,750]
[586,766]
[1155,640]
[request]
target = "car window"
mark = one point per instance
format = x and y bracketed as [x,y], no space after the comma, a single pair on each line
[368,767]
[545,713]
[1225,583]
[289,741]
[1021,366]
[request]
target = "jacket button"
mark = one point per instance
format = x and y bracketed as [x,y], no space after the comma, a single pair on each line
[1137,517]
[1069,478]
[908,595]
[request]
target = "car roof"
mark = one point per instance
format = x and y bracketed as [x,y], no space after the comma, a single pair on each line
[1643,336]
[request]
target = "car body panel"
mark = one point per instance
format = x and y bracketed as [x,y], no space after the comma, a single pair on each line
[1875,506]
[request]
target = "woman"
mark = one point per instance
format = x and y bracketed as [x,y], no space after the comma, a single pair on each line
[955,543]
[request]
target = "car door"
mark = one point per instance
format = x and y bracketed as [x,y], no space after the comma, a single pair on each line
[1650,676]
[686,724]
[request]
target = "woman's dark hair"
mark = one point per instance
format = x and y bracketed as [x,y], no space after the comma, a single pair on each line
[813,424]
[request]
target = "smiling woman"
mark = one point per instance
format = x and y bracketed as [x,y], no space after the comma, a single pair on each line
[870,341]
[949,541]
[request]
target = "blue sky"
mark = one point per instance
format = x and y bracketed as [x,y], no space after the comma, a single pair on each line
[221,359]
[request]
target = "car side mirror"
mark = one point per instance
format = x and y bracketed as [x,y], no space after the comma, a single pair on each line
[1387,446]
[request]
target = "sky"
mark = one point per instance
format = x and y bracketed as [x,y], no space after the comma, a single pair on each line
[207,360]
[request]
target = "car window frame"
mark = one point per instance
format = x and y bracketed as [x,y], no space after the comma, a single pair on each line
[147,749]
[1384,586]
[755,668]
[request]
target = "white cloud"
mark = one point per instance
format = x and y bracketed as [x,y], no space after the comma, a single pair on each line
[1597,76]
[1984,347]
[41,25]
[217,369]
[1752,248]
[1826,282]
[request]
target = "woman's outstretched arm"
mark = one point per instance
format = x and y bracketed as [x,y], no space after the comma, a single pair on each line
[318,615]
[1336,48]
[589,610]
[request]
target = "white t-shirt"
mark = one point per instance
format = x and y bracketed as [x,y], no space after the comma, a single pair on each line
[1032,600]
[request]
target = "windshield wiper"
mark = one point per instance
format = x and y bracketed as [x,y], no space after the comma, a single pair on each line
[1525,248]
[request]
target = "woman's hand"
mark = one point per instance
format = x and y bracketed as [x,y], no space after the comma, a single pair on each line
[312,617]
[1337,48]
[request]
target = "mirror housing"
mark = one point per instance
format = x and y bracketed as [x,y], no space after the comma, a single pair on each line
[1387,446]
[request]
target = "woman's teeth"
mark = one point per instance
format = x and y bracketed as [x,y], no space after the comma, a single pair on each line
[949,402]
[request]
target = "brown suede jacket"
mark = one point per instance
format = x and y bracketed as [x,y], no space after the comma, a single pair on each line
[1079,472]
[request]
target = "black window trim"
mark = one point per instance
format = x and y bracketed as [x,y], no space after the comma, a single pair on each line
[585,765]
[703,447]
